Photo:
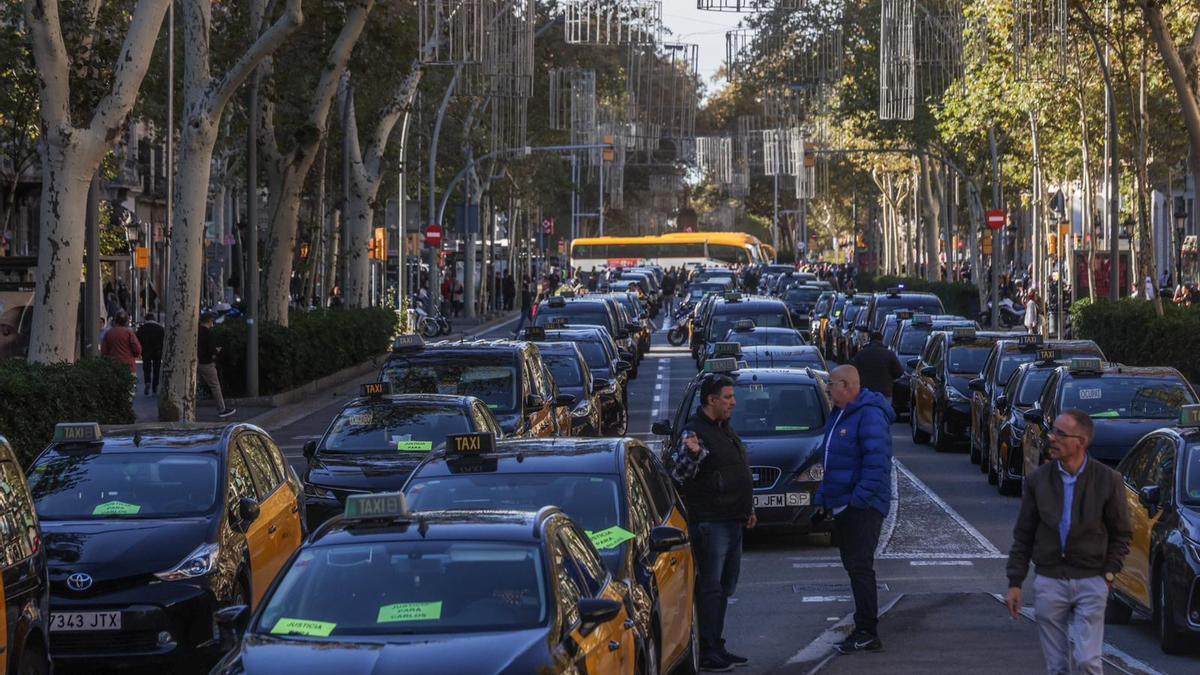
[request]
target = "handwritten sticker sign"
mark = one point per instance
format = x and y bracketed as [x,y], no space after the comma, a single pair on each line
[786,427]
[410,611]
[306,627]
[414,446]
[116,508]
[610,538]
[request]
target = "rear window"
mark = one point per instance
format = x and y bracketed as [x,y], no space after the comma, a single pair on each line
[916,305]
[394,428]
[912,341]
[723,323]
[495,382]
[968,360]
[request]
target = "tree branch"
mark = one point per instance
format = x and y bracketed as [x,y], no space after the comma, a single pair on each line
[267,43]
[50,56]
[131,67]
[335,66]
[401,102]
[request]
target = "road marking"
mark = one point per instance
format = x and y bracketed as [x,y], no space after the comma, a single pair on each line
[814,565]
[889,522]
[826,598]
[948,563]
[962,522]
[820,650]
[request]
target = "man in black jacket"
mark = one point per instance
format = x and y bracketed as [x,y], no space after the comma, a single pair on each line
[877,366]
[206,363]
[150,334]
[1074,526]
[711,466]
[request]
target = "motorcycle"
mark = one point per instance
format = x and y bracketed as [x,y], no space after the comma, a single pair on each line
[679,330]
[1010,315]
[431,326]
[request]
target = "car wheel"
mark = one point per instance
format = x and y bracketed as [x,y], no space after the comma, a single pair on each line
[918,436]
[1117,612]
[1170,638]
[977,453]
[940,442]
[690,665]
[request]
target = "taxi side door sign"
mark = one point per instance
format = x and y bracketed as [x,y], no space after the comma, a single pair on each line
[471,444]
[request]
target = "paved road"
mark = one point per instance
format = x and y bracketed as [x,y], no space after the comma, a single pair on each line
[941,559]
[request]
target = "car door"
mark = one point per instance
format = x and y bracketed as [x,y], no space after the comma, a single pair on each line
[609,646]
[979,406]
[674,570]
[292,523]
[258,539]
[541,422]
[925,387]
[1142,467]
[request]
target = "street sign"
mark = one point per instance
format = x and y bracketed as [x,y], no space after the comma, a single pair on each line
[142,258]
[433,236]
[996,219]
[548,226]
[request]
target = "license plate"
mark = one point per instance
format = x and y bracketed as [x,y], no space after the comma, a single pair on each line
[778,500]
[72,621]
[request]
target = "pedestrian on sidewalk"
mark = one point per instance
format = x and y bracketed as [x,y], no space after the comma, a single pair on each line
[1032,312]
[526,306]
[510,291]
[1074,526]
[857,489]
[711,467]
[878,366]
[151,334]
[206,363]
[121,345]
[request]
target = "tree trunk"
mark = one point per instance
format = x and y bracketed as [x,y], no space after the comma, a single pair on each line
[1189,98]
[359,220]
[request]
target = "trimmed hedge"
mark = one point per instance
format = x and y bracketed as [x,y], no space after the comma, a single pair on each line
[957,297]
[314,344]
[36,397]
[1131,332]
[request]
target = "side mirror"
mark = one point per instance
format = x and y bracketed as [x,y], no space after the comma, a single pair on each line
[912,363]
[564,401]
[929,371]
[625,355]
[661,428]
[595,611]
[247,513]
[1033,416]
[310,450]
[665,538]
[623,365]
[534,403]
[977,384]
[600,384]
[1149,496]
[231,621]
[1001,402]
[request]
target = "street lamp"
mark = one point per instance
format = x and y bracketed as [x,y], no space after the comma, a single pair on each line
[1180,214]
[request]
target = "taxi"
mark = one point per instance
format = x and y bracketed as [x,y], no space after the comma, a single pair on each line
[507,375]
[843,328]
[609,373]
[891,324]
[801,301]
[1006,466]
[378,438]
[780,417]
[748,335]
[727,311]
[941,401]
[1124,402]
[382,589]
[574,378]
[1001,363]
[616,491]
[149,532]
[908,343]
[829,309]
[640,315]
[593,310]
[1161,575]
[25,596]
[895,298]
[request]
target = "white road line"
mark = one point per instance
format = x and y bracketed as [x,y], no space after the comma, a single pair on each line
[826,598]
[817,652]
[814,565]
[889,523]
[976,534]
[935,563]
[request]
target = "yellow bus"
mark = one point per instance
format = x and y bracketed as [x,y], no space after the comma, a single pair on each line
[675,249]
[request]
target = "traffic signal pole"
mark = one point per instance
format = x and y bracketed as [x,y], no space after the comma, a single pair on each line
[997,235]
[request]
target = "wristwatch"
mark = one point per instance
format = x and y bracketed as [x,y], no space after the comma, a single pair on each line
[1110,577]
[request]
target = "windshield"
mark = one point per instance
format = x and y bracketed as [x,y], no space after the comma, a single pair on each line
[915,305]
[92,486]
[382,427]
[494,384]
[802,295]
[800,361]
[1191,475]
[968,359]
[768,338]
[723,323]
[586,314]
[912,341]
[1126,397]
[850,313]
[1032,386]
[594,502]
[593,351]
[565,369]
[779,409]
[407,587]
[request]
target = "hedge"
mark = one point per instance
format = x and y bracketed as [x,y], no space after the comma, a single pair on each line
[36,397]
[1131,332]
[313,345]
[958,297]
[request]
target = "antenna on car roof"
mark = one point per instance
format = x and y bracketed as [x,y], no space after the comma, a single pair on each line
[137,438]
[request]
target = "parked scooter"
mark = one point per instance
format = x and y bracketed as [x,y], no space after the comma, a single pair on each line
[432,325]
[679,328]
[1010,315]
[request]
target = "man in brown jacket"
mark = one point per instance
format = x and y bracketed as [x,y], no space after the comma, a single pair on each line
[1075,528]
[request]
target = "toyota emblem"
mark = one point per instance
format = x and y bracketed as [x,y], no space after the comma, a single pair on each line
[79,581]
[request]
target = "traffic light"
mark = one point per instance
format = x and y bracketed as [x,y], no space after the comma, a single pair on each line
[1052,244]
[378,245]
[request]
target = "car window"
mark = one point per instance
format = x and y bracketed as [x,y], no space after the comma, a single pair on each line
[583,564]
[276,455]
[1164,460]
[147,484]
[1136,465]
[1046,401]
[641,514]
[569,587]
[240,482]
[385,427]
[259,463]
[1112,397]
[18,527]
[1031,385]
[656,482]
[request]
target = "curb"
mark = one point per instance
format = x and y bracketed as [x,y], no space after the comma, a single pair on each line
[299,393]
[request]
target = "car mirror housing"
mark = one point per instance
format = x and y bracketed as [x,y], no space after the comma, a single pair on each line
[977,384]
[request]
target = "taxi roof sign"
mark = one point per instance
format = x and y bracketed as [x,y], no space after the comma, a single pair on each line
[77,432]
[732,296]
[1189,416]
[894,290]
[534,333]
[557,301]
[724,365]
[921,319]
[408,343]
[558,321]
[1029,340]
[376,389]
[381,505]
[1048,355]
[470,444]
[726,349]
[963,333]
[744,325]
[1086,365]
[903,314]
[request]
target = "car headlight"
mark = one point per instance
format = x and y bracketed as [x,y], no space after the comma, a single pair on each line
[815,473]
[583,409]
[955,396]
[1193,547]
[197,564]
[318,492]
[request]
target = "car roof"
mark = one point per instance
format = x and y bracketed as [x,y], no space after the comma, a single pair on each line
[597,456]
[1118,369]
[445,400]
[457,525]
[768,329]
[767,375]
[175,437]
[1010,345]
[751,302]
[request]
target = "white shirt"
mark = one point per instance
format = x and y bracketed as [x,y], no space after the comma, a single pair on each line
[1031,310]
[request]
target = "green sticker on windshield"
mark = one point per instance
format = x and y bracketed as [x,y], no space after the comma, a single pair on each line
[410,611]
[610,538]
[1106,414]
[305,627]
[116,509]
[414,446]
[493,406]
[786,427]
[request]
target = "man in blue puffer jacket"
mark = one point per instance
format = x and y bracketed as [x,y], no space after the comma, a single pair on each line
[858,490]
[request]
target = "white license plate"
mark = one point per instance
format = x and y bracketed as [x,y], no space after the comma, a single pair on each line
[778,500]
[71,621]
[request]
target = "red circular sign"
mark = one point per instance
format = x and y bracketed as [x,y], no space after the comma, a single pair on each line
[433,236]
[996,219]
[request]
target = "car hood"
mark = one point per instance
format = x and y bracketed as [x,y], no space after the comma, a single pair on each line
[788,453]
[374,472]
[1115,437]
[115,549]
[503,651]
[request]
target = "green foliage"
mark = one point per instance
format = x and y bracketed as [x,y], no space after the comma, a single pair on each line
[36,397]
[314,344]
[957,297]
[1131,332]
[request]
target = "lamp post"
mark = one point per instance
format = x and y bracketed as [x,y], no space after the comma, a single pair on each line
[133,232]
[1180,214]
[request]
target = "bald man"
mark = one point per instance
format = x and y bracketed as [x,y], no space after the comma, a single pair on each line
[858,490]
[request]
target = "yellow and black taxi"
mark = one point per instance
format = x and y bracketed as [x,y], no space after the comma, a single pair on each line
[1161,575]
[1006,466]
[378,438]
[732,309]
[149,532]
[892,299]
[1001,363]
[941,401]
[574,378]
[507,375]
[608,370]
[638,312]
[801,302]
[1124,402]
[908,343]
[842,329]
[780,417]
[25,595]
[617,491]
[382,589]
[593,311]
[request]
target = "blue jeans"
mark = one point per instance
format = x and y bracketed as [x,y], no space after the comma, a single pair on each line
[526,315]
[717,545]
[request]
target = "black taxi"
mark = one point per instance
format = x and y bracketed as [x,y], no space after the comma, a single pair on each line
[378,438]
[25,596]
[574,378]
[617,491]
[941,401]
[1161,575]
[896,298]
[1001,363]
[908,344]
[732,309]
[507,375]
[780,416]
[609,372]
[1124,402]
[594,310]
[382,589]
[1006,466]
[149,532]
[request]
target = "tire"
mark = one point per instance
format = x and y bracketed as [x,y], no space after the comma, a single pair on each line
[34,661]
[1117,612]
[690,665]
[976,453]
[428,328]
[676,337]
[940,442]
[622,425]
[1170,638]
[918,436]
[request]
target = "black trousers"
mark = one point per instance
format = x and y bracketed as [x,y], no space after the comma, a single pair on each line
[857,533]
[151,368]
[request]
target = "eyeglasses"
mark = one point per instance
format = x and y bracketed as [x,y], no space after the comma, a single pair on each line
[1055,431]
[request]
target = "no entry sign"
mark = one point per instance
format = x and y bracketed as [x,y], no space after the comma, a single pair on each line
[433,236]
[996,219]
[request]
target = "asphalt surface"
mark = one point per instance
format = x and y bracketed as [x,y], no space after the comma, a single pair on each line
[940,564]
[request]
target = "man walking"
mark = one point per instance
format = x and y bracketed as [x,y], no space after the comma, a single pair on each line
[711,467]
[121,345]
[878,366]
[1032,309]
[857,488]
[206,364]
[1074,526]
[151,334]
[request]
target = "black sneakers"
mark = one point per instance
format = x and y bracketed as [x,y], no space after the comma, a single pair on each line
[859,641]
[734,659]
[714,662]
[227,412]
